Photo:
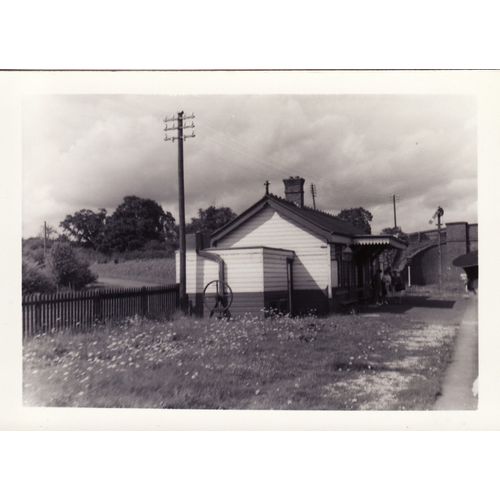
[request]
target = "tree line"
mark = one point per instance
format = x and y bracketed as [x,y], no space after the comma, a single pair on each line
[136,224]
[141,223]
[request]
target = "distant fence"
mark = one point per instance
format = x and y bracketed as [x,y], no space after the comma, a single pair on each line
[45,312]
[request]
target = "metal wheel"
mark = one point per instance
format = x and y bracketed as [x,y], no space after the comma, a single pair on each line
[217,298]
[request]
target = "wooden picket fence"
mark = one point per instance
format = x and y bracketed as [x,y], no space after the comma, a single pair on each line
[75,310]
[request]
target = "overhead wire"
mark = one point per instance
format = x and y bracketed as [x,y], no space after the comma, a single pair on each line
[237,148]
[255,162]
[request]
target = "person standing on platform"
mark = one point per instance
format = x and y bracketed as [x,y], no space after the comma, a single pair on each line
[377,287]
[386,286]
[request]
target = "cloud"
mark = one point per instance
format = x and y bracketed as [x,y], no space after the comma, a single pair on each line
[91,151]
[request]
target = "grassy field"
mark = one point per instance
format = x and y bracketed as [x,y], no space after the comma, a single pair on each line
[161,271]
[337,363]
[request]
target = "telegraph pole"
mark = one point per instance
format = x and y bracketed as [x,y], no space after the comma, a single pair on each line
[438,214]
[44,240]
[182,217]
[313,194]
[394,198]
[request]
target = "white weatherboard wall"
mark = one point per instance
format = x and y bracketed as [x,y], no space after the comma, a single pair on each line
[243,270]
[311,267]
[275,270]
[199,271]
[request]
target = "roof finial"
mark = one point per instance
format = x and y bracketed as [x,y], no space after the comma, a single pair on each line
[267,186]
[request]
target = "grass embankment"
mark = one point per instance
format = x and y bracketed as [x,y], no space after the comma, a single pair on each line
[161,271]
[337,363]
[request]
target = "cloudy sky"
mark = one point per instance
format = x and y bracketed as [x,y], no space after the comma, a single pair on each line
[91,151]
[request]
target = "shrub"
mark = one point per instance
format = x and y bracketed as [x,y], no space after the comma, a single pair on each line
[36,279]
[67,268]
[33,250]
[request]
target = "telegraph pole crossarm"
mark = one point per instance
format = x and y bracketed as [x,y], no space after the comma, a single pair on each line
[174,118]
[184,126]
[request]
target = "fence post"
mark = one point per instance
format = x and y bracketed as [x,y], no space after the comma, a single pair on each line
[98,306]
[144,301]
[38,313]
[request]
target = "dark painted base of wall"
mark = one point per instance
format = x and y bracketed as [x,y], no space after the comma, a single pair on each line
[250,302]
[259,303]
[310,302]
[276,302]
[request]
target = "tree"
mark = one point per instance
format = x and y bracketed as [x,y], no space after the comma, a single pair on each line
[86,227]
[395,231]
[210,219]
[67,269]
[135,222]
[358,217]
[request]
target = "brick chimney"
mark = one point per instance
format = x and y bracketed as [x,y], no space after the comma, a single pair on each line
[294,190]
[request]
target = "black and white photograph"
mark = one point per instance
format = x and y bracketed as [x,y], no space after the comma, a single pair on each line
[252,251]
[259,218]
